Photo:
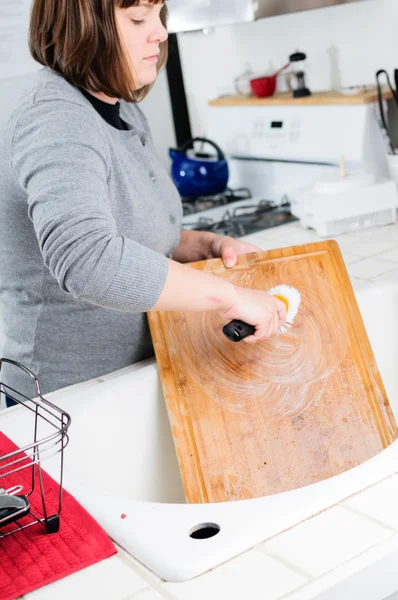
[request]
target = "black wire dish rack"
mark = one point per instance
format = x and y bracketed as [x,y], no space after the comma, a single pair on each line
[50,436]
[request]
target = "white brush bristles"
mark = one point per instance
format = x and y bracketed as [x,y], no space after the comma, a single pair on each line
[293,299]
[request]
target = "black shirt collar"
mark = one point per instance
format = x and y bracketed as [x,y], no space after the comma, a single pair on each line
[109,112]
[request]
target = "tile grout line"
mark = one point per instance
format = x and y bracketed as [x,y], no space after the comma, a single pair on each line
[136,594]
[148,578]
[359,513]
[157,587]
[318,578]
[340,505]
[163,593]
[291,566]
[383,273]
[296,590]
[368,487]
[153,582]
[320,512]
[372,257]
[385,252]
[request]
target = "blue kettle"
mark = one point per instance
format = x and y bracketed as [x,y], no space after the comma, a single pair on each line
[197,174]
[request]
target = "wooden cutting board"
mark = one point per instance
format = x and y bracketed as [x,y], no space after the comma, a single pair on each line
[249,421]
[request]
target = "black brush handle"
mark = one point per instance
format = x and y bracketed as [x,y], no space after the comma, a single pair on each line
[238,330]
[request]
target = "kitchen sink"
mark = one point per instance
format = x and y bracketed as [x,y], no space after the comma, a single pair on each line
[122,466]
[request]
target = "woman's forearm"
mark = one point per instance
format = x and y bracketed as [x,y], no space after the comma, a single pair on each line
[188,289]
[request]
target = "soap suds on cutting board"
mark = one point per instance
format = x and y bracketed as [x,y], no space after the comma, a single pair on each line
[290,371]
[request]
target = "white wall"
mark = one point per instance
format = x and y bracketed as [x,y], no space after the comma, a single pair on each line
[15,59]
[10,89]
[345,45]
[157,109]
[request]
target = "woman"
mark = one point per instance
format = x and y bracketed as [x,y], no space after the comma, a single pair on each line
[90,231]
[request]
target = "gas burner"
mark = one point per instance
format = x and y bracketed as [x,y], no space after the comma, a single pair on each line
[225,227]
[254,209]
[244,220]
[194,205]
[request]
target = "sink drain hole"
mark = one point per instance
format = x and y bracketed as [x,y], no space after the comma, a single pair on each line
[204,531]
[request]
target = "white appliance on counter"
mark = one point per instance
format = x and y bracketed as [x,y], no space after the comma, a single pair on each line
[296,151]
[347,202]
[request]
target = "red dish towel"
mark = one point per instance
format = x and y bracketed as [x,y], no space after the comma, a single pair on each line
[32,558]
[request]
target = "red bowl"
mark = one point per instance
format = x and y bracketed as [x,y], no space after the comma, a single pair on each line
[263,86]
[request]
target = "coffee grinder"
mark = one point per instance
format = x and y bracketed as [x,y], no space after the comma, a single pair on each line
[298,83]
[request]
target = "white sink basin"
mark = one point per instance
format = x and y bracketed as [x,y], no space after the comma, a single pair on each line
[121,459]
[120,440]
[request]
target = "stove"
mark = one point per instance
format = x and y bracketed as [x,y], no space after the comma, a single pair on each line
[280,152]
[194,205]
[235,213]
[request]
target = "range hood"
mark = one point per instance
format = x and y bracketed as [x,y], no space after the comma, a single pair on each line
[191,15]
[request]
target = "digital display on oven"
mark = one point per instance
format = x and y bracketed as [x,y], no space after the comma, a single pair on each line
[276,124]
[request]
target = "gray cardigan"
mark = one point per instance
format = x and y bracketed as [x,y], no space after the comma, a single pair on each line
[88,216]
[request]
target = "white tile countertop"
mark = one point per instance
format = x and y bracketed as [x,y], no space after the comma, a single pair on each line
[358,537]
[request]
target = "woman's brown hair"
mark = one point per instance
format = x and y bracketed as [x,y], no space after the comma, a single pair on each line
[79,39]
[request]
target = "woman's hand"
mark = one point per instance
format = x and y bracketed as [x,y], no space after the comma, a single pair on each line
[258,308]
[229,249]
[199,245]
[191,290]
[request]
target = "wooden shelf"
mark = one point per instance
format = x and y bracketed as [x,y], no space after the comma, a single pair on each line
[317,99]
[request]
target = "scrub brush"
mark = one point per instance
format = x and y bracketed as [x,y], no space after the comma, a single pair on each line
[238,330]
